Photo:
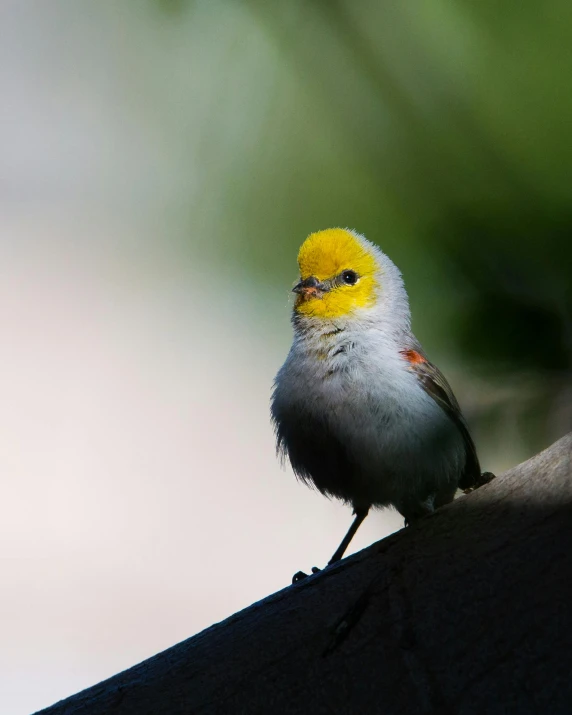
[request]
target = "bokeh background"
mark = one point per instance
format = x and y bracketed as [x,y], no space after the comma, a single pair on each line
[160,163]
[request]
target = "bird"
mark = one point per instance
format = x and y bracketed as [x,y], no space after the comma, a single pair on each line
[358,408]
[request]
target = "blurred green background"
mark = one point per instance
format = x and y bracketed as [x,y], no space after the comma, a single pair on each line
[161,161]
[439,130]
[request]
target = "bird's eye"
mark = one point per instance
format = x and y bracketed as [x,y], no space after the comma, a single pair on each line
[349,277]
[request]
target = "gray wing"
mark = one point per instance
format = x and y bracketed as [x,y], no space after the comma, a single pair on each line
[436,386]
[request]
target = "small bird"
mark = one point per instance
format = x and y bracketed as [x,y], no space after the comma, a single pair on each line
[357,407]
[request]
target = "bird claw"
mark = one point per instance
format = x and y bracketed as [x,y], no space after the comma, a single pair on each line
[300,575]
[485,478]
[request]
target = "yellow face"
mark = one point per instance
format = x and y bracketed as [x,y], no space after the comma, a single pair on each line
[337,275]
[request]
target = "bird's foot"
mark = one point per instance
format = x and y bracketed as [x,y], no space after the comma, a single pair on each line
[485,478]
[300,575]
[417,511]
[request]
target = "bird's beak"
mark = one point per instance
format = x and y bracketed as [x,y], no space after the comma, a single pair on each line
[309,288]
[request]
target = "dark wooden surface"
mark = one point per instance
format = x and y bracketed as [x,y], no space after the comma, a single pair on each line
[468,612]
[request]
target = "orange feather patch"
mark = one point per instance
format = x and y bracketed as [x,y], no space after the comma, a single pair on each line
[413,357]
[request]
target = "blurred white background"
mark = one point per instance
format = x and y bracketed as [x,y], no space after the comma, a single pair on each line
[141,498]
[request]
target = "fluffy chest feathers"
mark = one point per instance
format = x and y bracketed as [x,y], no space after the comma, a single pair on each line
[343,369]
[354,421]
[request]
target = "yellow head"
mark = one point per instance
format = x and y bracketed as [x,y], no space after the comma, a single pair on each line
[338,274]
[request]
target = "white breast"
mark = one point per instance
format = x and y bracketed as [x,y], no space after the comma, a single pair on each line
[359,382]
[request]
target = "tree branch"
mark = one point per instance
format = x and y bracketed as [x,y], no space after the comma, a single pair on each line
[469,611]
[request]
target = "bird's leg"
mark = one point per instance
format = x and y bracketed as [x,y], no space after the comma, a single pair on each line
[360,515]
